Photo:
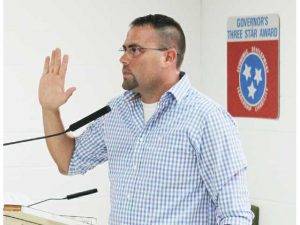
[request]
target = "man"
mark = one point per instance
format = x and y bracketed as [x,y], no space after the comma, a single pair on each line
[174,155]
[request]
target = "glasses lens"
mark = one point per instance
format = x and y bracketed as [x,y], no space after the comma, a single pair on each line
[134,51]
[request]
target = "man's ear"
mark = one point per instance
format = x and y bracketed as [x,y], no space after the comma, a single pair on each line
[170,57]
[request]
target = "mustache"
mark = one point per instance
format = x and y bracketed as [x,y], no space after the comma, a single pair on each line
[126,70]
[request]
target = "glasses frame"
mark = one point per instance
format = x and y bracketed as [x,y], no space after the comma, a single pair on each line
[140,50]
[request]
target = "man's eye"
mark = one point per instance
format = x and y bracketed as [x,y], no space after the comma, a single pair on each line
[134,49]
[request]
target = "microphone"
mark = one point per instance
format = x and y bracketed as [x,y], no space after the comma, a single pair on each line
[72,127]
[68,197]
[83,193]
[89,118]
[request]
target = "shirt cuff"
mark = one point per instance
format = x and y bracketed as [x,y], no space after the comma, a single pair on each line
[236,221]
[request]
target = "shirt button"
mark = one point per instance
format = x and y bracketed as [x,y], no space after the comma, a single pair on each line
[135,167]
[141,139]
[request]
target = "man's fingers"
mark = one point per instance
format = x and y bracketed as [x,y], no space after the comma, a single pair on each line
[51,66]
[64,66]
[57,61]
[55,65]
[46,65]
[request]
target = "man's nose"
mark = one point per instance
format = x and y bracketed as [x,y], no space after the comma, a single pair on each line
[124,59]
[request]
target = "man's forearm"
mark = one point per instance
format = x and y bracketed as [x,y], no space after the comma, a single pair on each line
[60,147]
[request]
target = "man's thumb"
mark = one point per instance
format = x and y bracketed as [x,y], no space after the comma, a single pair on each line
[69,92]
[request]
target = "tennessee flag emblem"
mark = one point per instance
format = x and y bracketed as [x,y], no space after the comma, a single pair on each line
[252,66]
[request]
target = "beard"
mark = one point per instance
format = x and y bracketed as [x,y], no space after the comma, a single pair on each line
[129,82]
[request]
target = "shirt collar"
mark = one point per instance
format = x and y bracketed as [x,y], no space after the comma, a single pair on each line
[131,96]
[178,91]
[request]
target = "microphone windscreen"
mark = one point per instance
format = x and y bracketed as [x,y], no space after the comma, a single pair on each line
[89,118]
[83,193]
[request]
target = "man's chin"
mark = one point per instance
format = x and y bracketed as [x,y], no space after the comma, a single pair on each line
[128,86]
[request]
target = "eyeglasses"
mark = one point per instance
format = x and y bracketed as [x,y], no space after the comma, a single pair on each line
[135,51]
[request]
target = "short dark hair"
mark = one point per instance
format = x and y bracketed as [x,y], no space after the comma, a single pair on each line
[169,30]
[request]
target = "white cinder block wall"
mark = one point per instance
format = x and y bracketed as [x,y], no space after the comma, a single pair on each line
[270,145]
[91,32]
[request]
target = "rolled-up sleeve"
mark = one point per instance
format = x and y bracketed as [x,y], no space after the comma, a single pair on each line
[90,149]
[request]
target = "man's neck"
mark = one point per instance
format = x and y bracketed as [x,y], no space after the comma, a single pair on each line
[154,95]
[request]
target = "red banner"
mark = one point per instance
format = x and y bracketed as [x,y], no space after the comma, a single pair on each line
[252,66]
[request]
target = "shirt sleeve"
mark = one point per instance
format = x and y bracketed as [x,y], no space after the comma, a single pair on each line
[90,149]
[222,166]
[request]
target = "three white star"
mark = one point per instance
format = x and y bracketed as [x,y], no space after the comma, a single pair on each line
[257,76]
[251,90]
[247,72]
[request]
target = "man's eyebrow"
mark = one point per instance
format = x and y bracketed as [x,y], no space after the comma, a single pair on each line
[131,45]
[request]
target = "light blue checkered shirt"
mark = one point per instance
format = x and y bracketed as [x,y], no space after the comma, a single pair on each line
[184,166]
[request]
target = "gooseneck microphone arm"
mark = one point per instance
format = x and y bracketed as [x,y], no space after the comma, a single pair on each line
[72,127]
[68,197]
[37,138]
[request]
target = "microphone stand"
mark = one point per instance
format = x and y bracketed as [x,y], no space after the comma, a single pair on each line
[72,127]
[37,138]
[68,197]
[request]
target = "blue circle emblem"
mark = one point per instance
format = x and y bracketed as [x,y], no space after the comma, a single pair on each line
[253,79]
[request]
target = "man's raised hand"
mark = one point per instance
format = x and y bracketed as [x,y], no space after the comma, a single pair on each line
[52,92]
